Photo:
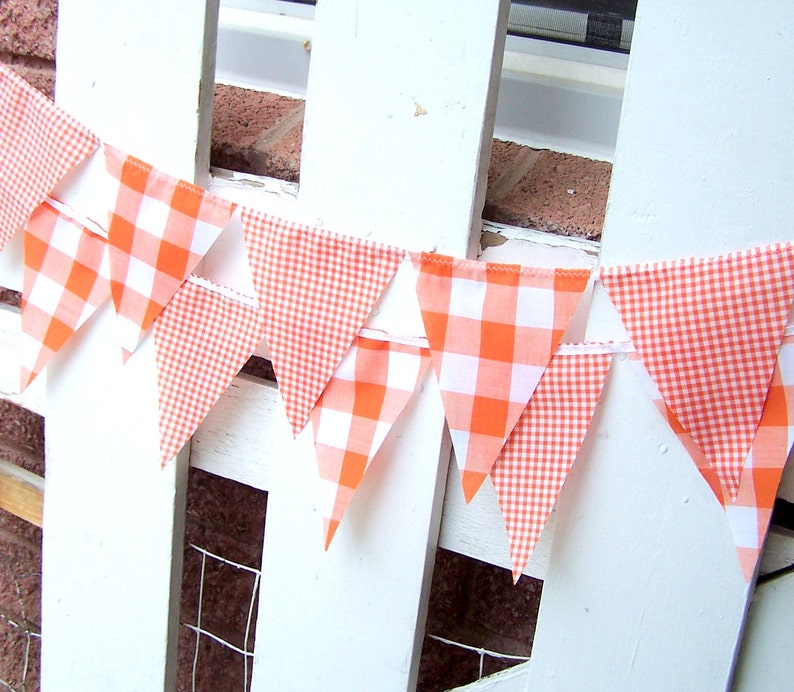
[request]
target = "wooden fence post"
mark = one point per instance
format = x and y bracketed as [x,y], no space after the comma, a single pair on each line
[643,589]
[140,75]
[399,119]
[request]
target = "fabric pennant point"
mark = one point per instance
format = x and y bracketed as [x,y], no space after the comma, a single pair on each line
[535,462]
[317,288]
[708,331]
[39,145]
[159,229]
[492,329]
[364,398]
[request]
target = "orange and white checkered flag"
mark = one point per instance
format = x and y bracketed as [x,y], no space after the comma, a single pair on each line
[750,512]
[355,413]
[492,329]
[535,461]
[708,330]
[159,229]
[39,144]
[202,339]
[65,280]
[316,289]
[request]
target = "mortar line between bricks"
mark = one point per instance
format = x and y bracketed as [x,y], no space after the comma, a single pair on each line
[269,137]
[523,163]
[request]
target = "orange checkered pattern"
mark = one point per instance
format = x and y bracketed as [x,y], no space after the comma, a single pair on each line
[708,330]
[159,229]
[370,388]
[202,339]
[316,289]
[65,280]
[39,144]
[750,513]
[535,461]
[492,329]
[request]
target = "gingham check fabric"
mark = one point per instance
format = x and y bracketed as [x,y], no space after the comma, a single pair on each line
[65,280]
[536,459]
[492,329]
[202,339]
[159,229]
[362,401]
[316,289]
[750,513]
[708,330]
[39,144]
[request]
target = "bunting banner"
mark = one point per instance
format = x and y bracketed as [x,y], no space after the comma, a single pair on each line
[362,401]
[317,289]
[750,513]
[708,330]
[65,279]
[535,461]
[39,144]
[159,229]
[492,329]
[202,338]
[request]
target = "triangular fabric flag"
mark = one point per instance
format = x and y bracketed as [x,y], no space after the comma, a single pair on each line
[39,144]
[65,280]
[316,289]
[159,229]
[202,339]
[360,404]
[708,330]
[492,329]
[750,513]
[536,459]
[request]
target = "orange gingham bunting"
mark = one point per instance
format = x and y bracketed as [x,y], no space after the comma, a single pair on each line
[708,330]
[202,339]
[750,513]
[316,289]
[159,229]
[535,461]
[492,329]
[39,144]
[65,280]
[368,391]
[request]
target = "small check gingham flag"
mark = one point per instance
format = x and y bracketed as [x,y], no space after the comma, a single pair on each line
[316,289]
[750,513]
[39,144]
[492,329]
[708,330]
[536,459]
[362,401]
[65,279]
[202,339]
[159,229]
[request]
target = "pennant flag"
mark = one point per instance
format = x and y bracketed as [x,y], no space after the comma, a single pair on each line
[750,513]
[536,459]
[39,144]
[202,339]
[316,289]
[492,329]
[159,229]
[362,401]
[708,330]
[65,280]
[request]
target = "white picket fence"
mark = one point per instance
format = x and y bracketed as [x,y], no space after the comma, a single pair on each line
[642,587]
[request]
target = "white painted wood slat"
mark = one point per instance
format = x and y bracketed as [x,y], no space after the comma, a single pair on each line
[416,142]
[138,74]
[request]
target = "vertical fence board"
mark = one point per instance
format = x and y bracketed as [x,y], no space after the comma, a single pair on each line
[643,589]
[134,72]
[395,146]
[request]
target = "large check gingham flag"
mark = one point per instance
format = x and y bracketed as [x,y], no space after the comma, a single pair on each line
[492,329]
